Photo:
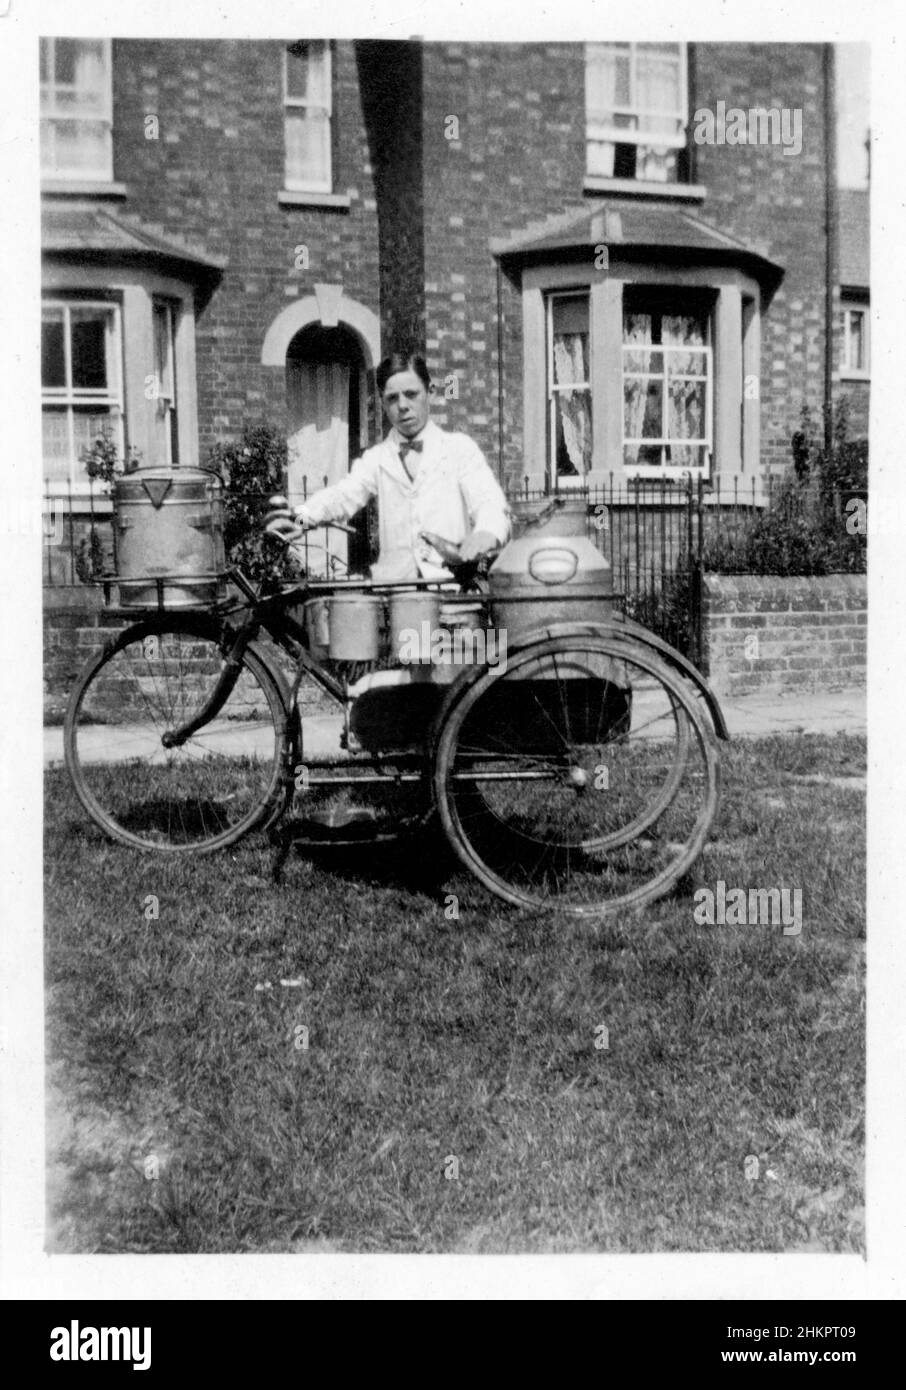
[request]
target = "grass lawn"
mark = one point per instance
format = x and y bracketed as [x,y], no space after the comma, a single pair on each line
[451,1095]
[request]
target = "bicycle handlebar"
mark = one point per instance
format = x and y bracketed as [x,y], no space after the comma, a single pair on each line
[462,570]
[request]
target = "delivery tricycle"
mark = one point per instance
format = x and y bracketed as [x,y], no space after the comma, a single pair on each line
[568,755]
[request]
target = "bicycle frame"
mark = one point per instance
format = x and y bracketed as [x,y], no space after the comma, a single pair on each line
[458,732]
[269,612]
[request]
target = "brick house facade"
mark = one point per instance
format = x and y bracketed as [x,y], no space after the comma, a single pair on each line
[257,223]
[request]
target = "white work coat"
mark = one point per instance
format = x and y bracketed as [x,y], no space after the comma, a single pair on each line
[452,493]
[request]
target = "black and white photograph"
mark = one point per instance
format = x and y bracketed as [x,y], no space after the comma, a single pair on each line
[437,527]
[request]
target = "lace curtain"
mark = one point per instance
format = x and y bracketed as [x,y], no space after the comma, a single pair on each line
[663,406]
[574,407]
[636,334]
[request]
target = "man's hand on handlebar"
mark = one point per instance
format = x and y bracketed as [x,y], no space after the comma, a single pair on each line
[281,522]
[284,524]
[468,572]
[477,544]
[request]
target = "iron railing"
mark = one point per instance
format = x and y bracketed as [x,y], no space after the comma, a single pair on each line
[658,536]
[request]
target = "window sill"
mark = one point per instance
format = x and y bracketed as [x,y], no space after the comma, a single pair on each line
[83,188]
[718,490]
[288,197]
[79,494]
[571,483]
[855,376]
[669,489]
[636,188]
[672,474]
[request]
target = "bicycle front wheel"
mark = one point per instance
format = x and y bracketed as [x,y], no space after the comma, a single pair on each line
[204,794]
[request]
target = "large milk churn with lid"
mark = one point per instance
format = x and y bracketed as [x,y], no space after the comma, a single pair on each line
[551,573]
[169,537]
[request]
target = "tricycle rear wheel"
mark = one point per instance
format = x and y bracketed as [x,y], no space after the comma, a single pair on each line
[581,776]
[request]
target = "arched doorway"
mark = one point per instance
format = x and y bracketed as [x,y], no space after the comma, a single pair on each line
[328,426]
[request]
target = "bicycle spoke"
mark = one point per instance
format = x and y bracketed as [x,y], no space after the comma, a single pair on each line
[614,815]
[194,795]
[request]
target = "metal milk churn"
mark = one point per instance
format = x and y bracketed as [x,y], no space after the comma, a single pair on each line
[551,573]
[169,525]
[550,516]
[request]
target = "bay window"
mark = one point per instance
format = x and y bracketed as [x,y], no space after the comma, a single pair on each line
[81,384]
[569,384]
[164,319]
[647,373]
[667,389]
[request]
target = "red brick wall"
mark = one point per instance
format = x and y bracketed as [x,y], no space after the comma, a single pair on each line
[76,626]
[857,397]
[803,634]
[214,176]
[776,201]
[520,157]
[414,244]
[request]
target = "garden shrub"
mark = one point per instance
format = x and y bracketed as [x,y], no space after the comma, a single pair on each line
[101,460]
[253,469]
[669,609]
[803,530]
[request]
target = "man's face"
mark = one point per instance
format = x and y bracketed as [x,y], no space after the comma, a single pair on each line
[405,402]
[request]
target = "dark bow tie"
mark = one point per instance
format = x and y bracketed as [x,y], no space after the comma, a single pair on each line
[414,446]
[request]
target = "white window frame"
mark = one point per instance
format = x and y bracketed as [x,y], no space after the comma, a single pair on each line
[599,131]
[553,389]
[671,470]
[295,184]
[166,399]
[68,396]
[855,373]
[51,117]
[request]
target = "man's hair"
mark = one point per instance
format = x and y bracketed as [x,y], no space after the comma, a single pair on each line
[402,362]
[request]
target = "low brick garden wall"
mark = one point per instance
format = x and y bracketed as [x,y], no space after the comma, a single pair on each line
[759,634]
[770,635]
[76,626]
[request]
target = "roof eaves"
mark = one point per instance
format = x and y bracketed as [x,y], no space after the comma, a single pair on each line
[97,234]
[606,224]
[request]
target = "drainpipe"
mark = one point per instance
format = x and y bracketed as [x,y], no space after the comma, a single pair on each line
[830,238]
[499,374]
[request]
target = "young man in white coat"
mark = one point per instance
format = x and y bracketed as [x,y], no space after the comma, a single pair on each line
[425,479]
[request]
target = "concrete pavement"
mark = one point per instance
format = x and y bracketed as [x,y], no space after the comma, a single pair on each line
[748,716]
[821,712]
[322,737]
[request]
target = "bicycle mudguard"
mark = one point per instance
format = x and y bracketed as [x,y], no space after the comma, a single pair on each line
[612,627]
[682,663]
